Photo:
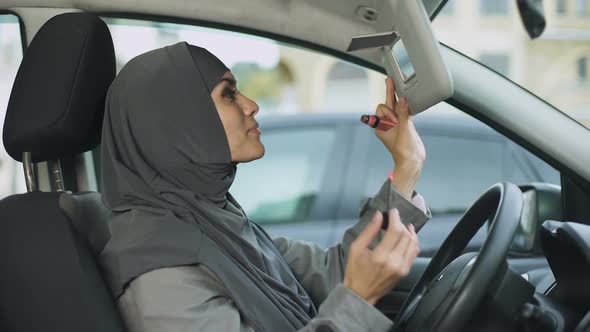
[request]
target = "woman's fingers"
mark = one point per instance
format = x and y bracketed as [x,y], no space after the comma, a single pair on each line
[382,111]
[398,248]
[390,93]
[398,264]
[385,112]
[369,233]
[403,111]
[371,274]
[402,244]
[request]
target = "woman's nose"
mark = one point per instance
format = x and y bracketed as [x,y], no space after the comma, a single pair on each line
[251,107]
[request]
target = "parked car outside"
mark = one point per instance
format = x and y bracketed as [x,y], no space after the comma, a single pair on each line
[318,169]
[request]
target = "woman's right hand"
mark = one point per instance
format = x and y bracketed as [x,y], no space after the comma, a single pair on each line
[373,273]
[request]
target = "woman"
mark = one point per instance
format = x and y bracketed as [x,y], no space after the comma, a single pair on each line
[183,255]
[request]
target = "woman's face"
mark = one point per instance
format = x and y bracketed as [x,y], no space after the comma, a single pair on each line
[237,116]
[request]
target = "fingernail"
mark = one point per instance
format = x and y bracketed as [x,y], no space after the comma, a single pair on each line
[374,219]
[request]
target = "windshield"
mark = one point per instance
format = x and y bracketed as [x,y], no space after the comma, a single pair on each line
[553,66]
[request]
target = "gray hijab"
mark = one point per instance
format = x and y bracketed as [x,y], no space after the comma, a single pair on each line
[166,174]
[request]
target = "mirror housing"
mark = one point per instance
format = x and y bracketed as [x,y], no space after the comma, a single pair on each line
[542,201]
[532,15]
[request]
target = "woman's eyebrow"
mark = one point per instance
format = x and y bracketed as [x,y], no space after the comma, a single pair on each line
[232,82]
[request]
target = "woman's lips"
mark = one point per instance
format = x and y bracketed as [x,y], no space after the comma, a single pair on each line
[254,131]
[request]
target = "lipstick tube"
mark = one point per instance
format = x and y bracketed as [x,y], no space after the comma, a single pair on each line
[380,124]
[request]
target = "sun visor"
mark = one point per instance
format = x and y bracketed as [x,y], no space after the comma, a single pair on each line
[411,56]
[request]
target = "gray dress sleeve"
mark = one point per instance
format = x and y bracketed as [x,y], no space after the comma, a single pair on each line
[319,270]
[191,298]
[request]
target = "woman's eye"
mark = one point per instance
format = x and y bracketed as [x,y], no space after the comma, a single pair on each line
[231,94]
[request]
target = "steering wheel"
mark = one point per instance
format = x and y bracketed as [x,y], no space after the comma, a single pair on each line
[453,285]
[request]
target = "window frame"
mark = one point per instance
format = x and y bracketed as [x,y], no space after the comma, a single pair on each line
[293,42]
[449,9]
[21,23]
[23,42]
[246,30]
[496,56]
[514,137]
[344,56]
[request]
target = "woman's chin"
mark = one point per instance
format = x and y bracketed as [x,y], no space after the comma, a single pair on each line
[259,154]
[254,155]
[260,151]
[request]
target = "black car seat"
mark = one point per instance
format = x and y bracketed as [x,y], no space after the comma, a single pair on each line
[50,279]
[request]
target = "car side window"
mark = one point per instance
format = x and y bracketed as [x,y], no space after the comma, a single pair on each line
[282,187]
[456,172]
[460,164]
[542,171]
[11,54]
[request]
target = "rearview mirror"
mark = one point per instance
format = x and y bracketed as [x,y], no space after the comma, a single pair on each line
[542,201]
[532,15]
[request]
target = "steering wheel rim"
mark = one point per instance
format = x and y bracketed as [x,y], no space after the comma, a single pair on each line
[507,201]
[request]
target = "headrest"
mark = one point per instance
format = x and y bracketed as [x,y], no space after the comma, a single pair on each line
[57,101]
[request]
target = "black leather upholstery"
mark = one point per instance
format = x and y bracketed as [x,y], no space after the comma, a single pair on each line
[57,101]
[50,279]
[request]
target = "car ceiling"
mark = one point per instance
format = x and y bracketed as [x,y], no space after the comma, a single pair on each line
[329,23]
